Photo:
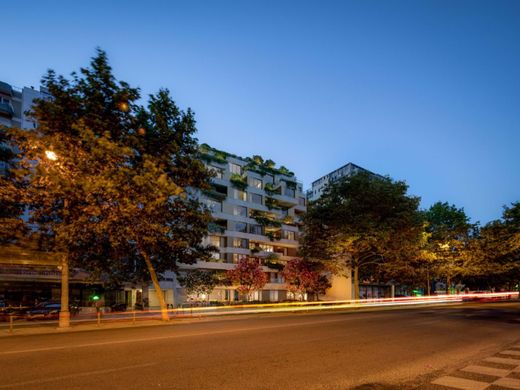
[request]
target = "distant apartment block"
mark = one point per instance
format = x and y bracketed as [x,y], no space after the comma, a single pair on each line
[319,185]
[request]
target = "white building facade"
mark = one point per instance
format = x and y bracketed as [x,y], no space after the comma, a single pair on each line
[243,195]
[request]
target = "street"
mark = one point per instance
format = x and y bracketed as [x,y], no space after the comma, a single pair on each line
[400,348]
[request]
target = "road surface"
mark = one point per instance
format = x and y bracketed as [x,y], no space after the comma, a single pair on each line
[380,349]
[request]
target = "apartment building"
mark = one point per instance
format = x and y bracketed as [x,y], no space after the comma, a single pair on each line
[319,185]
[257,210]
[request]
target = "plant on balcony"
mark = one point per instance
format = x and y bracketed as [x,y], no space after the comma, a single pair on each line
[272,189]
[274,235]
[214,194]
[272,261]
[238,181]
[290,184]
[271,203]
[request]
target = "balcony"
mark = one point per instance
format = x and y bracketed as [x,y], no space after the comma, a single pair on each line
[6,109]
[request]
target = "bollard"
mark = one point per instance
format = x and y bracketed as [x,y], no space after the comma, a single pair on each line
[10,323]
[99,318]
[133,317]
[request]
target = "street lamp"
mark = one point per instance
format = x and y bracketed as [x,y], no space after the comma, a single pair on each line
[64,317]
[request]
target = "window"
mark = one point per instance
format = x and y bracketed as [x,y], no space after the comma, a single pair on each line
[301,201]
[262,247]
[253,182]
[288,235]
[240,195]
[240,211]
[234,168]
[256,229]
[240,243]
[269,179]
[255,198]
[241,227]
[290,192]
[215,241]
[237,257]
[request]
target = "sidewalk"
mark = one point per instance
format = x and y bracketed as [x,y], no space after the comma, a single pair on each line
[498,372]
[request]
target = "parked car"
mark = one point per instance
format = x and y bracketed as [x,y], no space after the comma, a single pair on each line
[16,312]
[49,311]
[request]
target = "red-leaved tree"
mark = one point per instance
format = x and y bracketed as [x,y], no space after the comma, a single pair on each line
[304,276]
[248,276]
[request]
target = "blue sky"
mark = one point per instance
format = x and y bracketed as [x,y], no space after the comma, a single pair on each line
[424,91]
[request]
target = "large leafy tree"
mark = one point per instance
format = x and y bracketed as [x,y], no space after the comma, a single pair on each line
[305,277]
[449,234]
[200,282]
[248,276]
[359,222]
[109,182]
[495,254]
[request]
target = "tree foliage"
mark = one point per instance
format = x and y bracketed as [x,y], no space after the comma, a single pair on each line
[362,221]
[495,253]
[200,282]
[248,276]
[305,277]
[449,234]
[117,199]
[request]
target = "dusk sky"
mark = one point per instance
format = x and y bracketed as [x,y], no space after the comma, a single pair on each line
[424,91]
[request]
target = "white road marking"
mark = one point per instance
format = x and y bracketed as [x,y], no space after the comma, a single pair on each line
[72,376]
[511,352]
[510,383]
[494,359]
[486,370]
[460,383]
[175,336]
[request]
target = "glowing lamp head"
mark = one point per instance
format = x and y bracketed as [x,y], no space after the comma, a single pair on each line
[51,155]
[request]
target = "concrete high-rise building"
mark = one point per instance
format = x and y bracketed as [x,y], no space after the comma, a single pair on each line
[319,185]
[244,195]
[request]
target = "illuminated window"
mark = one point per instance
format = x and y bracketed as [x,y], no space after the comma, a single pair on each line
[240,195]
[240,243]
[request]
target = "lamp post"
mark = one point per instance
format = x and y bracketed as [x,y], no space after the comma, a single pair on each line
[64,316]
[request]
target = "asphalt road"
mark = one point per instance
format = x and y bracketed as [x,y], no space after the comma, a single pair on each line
[400,348]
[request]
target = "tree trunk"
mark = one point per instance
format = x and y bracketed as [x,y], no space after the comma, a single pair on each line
[356,282]
[448,281]
[428,283]
[156,285]
[64,316]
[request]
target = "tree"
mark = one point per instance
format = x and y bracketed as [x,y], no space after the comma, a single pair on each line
[110,183]
[200,282]
[495,253]
[361,221]
[449,235]
[305,277]
[248,276]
